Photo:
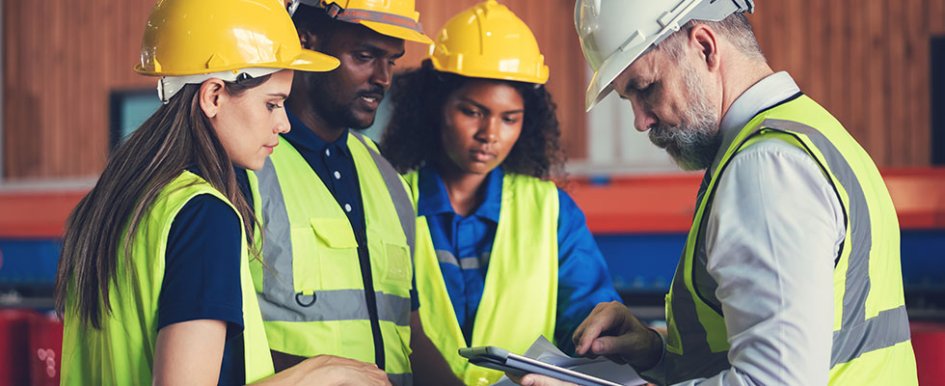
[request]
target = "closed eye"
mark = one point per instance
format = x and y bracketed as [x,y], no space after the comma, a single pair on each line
[469,112]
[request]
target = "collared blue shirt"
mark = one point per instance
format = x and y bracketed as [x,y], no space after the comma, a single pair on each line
[333,164]
[583,277]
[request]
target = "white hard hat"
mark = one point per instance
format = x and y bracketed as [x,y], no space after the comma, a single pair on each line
[614,33]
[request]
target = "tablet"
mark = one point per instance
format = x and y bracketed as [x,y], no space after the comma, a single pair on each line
[502,360]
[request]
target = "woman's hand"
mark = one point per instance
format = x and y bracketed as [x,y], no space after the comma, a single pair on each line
[329,370]
[537,380]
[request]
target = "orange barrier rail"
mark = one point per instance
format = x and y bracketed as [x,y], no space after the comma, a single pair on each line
[640,204]
[665,203]
[36,214]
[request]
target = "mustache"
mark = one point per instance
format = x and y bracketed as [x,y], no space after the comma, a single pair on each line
[373,92]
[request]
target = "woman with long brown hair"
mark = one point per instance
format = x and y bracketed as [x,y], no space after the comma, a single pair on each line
[154,280]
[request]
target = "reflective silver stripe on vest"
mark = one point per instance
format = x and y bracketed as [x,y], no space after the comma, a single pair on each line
[857,334]
[698,360]
[887,329]
[446,257]
[398,194]
[278,300]
[336,305]
[400,379]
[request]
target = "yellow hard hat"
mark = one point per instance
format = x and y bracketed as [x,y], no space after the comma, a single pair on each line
[489,41]
[394,18]
[190,37]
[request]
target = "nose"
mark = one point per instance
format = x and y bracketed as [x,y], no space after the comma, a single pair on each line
[643,119]
[282,123]
[382,73]
[488,130]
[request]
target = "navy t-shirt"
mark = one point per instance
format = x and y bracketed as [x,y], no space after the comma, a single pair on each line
[202,276]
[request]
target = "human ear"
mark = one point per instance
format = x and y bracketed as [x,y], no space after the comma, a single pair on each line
[704,39]
[308,40]
[211,93]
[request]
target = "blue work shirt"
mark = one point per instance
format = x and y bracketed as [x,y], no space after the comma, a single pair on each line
[583,277]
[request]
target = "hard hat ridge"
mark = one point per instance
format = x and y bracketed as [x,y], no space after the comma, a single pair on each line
[488,40]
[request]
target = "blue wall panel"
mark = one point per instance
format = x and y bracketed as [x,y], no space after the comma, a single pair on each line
[646,263]
[640,263]
[28,262]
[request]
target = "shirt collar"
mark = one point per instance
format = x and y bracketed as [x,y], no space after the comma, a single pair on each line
[434,199]
[768,92]
[304,139]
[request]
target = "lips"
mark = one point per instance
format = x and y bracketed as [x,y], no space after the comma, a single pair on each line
[371,99]
[480,155]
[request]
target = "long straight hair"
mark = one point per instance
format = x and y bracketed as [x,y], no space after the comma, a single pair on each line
[177,136]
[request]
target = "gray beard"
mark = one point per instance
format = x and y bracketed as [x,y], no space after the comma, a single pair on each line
[695,141]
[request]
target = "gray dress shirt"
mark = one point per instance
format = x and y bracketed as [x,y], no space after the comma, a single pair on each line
[772,236]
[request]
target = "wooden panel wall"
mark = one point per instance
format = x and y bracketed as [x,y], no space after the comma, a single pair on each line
[866,61]
[61,58]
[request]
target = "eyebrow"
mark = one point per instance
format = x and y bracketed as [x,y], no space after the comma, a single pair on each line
[480,106]
[633,86]
[279,95]
[378,51]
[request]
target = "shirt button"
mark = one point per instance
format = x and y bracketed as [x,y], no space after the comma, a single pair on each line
[348,208]
[327,152]
[337,175]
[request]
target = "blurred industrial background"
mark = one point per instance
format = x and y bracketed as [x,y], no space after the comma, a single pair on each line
[69,94]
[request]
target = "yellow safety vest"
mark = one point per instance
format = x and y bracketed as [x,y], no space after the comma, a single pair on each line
[122,351]
[519,299]
[871,343]
[309,282]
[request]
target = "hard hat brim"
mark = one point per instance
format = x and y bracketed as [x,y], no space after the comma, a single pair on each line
[540,78]
[308,60]
[313,61]
[397,32]
[601,84]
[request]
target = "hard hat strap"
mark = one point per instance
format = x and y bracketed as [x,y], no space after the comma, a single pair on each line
[359,15]
[168,86]
[352,15]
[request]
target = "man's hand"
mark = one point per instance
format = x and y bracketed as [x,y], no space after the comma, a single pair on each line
[612,331]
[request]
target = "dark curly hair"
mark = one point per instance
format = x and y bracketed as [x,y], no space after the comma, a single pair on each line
[418,96]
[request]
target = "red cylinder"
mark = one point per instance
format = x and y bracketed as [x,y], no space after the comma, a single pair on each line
[45,356]
[14,346]
[928,341]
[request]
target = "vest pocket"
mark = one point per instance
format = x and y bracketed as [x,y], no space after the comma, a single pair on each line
[335,254]
[323,265]
[397,267]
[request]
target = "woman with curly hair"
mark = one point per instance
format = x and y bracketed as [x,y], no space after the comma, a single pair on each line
[475,130]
